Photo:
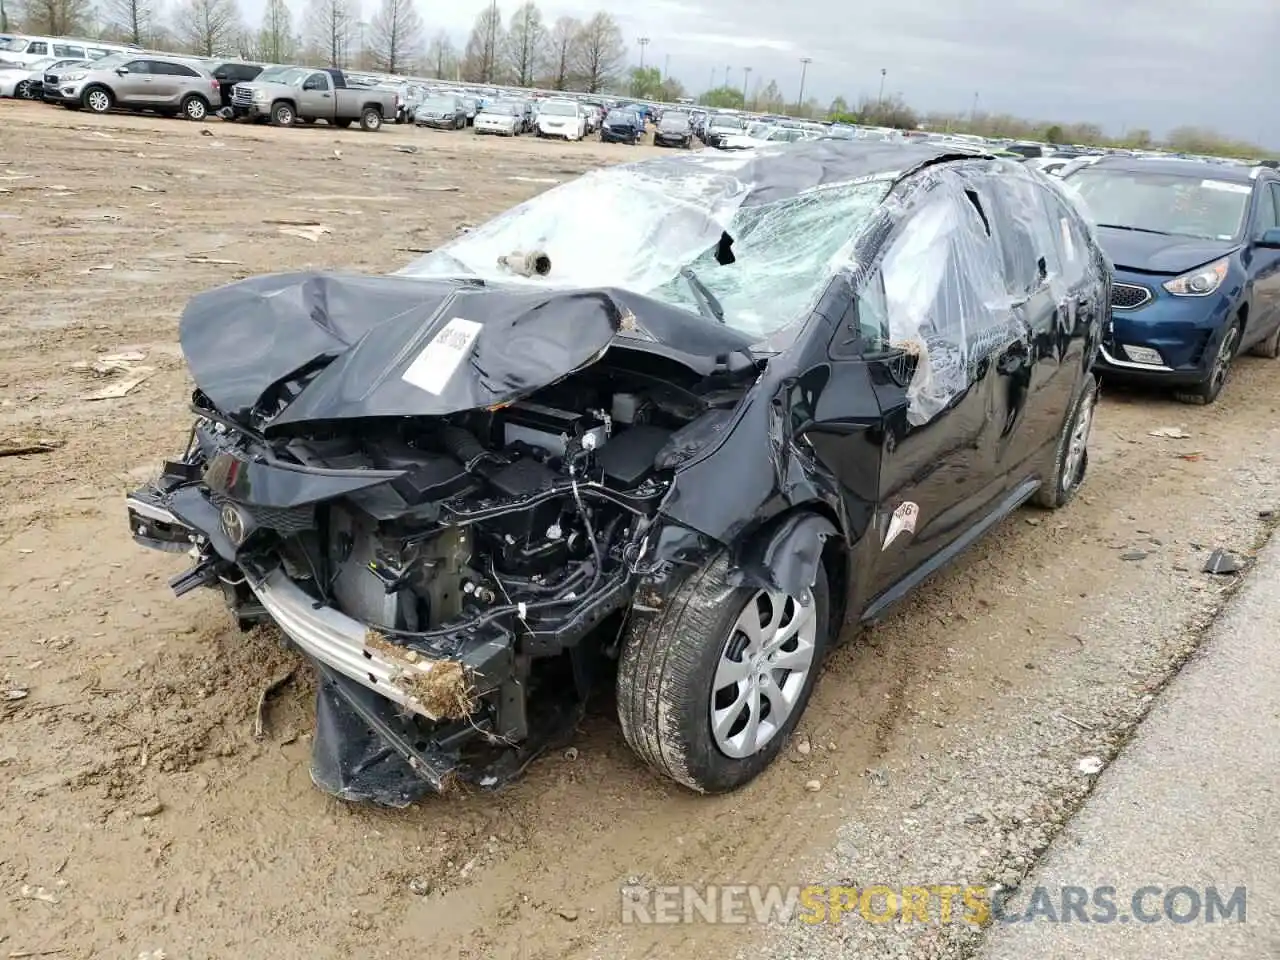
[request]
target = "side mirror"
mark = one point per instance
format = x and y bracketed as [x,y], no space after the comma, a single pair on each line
[1270,239]
[121,71]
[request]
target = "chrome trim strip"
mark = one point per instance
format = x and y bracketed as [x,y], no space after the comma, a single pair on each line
[1129,364]
[152,512]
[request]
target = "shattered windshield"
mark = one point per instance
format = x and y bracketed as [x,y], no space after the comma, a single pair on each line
[666,223]
[1175,204]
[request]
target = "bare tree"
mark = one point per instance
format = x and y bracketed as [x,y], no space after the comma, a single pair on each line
[395,36]
[55,17]
[525,44]
[132,20]
[208,27]
[442,58]
[330,28]
[480,58]
[562,51]
[600,52]
[276,42]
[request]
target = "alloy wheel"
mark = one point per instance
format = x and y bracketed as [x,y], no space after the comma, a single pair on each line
[1077,444]
[1222,362]
[762,670]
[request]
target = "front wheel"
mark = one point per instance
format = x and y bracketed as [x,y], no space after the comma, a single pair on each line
[282,115]
[370,119]
[711,688]
[23,91]
[98,99]
[1208,390]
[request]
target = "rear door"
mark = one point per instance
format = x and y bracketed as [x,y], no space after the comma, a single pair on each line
[167,83]
[1035,386]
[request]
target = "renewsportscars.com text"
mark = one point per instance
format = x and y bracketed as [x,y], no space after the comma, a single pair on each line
[937,903]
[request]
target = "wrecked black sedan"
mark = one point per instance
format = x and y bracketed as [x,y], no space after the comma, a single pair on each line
[776,393]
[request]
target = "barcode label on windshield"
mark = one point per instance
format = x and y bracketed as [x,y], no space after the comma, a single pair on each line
[432,369]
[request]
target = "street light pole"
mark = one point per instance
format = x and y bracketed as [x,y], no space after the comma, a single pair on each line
[746,76]
[880,99]
[644,42]
[726,75]
[804,72]
[973,111]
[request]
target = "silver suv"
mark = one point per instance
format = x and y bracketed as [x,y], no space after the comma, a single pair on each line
[168,85]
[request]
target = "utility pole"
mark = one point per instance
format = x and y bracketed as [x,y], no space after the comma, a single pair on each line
[973,111]
[746,77]
[666,67]
[804,72]
[726,76]
[644,42]
[880,99]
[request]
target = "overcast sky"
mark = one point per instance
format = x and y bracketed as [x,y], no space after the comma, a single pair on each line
[1122,63]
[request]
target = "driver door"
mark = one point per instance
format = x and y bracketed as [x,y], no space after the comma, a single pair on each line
[928,305]
[316,97]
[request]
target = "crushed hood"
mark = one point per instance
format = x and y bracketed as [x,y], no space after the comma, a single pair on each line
[398,346]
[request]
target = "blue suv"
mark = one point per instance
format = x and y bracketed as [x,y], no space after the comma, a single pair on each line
[1196,249]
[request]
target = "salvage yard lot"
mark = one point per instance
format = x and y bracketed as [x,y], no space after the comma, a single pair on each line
[139,812]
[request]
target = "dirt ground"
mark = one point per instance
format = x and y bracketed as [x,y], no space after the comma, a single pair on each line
[138,813]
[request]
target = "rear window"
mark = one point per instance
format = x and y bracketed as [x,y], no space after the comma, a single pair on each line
[65,50]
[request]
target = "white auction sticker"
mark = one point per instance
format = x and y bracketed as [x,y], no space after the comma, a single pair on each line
[1225,186]
[433,367]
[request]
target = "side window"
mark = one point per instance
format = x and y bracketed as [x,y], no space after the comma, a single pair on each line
[1069,235]
[1269,207]
[62,50]
[96,53]
[182,70]
[317,81]
[38,46]
[1029,250]
[937,295]
[139,66]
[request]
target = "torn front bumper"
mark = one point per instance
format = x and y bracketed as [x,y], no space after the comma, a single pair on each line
[381,735]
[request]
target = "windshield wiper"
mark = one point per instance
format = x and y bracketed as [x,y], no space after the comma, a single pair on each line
[1120,226]
[708,305]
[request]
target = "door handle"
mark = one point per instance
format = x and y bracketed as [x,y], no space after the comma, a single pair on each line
[326,95]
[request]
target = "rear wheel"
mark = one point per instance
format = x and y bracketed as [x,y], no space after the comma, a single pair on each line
[1065,473]
[1207,391]
[1270,347]
[370,119]
[342,123]
[195,108]
[23,91]
[98,99]
[282,115]
[710,690]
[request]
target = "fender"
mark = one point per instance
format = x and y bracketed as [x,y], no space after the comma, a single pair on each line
[783,555]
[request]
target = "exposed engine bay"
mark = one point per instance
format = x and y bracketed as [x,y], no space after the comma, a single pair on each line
[471,554]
